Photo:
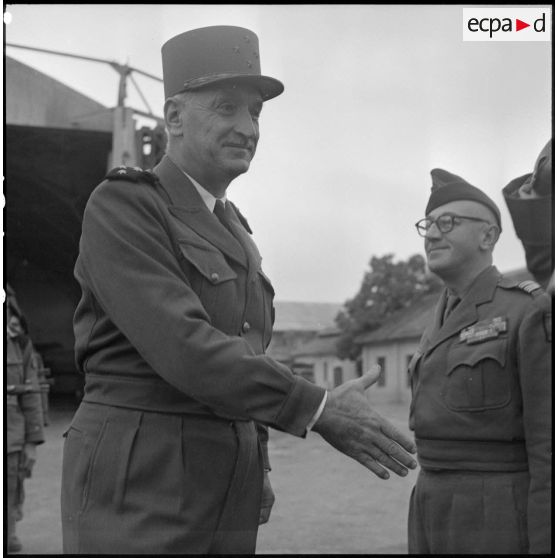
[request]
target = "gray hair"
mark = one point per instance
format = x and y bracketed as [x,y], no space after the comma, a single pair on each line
[182,99]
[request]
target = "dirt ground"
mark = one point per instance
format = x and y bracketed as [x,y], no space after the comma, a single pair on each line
[326,503]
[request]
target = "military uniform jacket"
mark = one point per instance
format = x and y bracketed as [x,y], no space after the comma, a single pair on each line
[24,414]
[482,389]
[176,312]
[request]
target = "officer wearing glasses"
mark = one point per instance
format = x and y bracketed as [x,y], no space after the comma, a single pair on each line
[481,391]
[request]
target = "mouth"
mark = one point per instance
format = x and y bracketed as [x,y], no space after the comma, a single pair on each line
[433,249]
[244,147]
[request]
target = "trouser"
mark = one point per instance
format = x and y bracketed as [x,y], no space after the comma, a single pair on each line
[15,496]
[457,512]
[145,482]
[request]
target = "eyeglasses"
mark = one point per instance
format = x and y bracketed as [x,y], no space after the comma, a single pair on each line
[444,222]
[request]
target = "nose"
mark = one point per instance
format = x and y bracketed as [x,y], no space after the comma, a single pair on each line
[433,232]
[245,124]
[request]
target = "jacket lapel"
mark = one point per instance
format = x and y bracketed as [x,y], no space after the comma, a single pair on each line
[431,331]
[465,314]
[250,248]
[187,206]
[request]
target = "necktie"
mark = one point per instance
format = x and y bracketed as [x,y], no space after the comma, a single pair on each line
[221,213]
[451,302]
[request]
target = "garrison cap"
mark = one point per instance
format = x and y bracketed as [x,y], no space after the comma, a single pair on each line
[448,187]
[217,54]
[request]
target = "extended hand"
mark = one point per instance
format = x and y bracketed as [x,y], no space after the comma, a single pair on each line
[268,499]
[350,425]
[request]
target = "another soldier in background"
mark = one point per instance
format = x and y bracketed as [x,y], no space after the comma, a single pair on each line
[24,417]
[481,391]
[530,200]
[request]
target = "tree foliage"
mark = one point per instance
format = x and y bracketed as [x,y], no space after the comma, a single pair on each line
[386,287]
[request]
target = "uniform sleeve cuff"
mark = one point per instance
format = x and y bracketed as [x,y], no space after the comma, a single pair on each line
[300,406]
[318,414]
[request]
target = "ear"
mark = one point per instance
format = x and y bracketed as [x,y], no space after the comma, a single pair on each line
[489,236]
[173,117]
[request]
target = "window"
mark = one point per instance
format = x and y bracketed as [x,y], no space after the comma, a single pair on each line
[381,362]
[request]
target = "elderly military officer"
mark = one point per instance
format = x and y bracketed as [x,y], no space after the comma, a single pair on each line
[481,391]
[163,454]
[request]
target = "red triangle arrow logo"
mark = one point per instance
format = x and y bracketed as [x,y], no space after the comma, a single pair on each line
[519,25]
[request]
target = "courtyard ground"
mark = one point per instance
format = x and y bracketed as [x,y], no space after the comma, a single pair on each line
[325,503]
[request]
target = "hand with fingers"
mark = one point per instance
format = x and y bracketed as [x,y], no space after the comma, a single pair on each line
[350,424]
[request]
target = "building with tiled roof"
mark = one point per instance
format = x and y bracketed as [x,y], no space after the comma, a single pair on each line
[317,360]
[296,323]
[304,316]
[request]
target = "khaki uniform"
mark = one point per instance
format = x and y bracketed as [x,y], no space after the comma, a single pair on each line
[24,420]
[481,412]
[175,315]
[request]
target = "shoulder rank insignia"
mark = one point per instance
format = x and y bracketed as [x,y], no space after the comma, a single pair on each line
[482,331]
[131,174]
[529,286]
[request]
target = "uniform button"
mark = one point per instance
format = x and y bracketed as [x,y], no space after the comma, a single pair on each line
[214,277]
[245,327]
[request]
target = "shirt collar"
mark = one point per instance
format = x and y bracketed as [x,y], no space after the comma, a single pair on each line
[208,198]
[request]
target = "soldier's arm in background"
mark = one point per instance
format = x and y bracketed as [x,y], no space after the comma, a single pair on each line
[530,201]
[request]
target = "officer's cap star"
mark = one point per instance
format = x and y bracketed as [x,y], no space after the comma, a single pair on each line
[122,171]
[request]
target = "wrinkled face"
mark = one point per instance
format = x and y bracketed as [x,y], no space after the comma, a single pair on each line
[221,130]
[461,248]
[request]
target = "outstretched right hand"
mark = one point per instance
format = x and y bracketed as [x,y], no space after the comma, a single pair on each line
[350,424]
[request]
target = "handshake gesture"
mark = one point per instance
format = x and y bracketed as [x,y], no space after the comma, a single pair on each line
[351,426]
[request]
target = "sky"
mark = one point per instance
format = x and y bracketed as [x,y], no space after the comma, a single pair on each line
[375,97]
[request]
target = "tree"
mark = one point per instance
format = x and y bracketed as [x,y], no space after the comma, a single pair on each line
[387,287]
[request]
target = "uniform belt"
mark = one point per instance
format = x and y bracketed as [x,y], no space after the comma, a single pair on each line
[146,394]
[469,455]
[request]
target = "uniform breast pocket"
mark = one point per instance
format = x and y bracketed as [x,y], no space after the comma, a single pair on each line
[477,379]
[211,277]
